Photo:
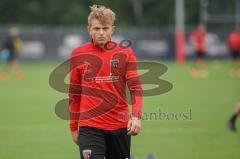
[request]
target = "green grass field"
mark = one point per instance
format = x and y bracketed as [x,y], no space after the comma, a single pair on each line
[29,128]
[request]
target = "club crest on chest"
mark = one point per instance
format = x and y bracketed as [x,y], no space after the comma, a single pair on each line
[114,63]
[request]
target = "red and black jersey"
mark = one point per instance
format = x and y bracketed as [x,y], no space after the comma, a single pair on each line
[198,40]
[98,81]
[234,41]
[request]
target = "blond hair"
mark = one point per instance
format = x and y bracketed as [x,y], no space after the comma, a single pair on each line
[101,13]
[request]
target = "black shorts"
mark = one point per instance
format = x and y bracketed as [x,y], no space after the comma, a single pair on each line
[200,54]
[235,54]
[12,56]
[97,144]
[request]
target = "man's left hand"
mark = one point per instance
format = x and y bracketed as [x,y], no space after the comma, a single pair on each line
[134,126]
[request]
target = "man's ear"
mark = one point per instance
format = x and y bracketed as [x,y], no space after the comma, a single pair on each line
[88,29]
[113,28]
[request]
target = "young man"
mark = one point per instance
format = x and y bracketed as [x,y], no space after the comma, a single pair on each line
[100,71]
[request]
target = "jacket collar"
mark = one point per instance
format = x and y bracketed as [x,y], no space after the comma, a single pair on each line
[105,48]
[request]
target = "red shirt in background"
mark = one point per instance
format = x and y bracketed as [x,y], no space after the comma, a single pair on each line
[234,41]
[198,40]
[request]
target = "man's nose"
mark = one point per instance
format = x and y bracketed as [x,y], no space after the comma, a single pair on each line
[101,31]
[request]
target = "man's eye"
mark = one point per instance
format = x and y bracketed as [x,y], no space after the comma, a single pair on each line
[105,28]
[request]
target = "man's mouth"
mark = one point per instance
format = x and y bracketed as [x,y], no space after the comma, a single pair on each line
[101,39]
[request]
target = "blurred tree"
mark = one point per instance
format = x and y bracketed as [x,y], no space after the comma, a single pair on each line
[138,10]
[74,12]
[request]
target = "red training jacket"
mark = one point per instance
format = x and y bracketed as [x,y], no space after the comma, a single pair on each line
[98,81]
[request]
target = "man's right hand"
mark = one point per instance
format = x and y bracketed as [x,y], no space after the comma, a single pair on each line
[75,137]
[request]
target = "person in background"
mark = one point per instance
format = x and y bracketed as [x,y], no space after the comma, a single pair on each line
[12,45]
[198,40]
[233,42]
[232,120]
